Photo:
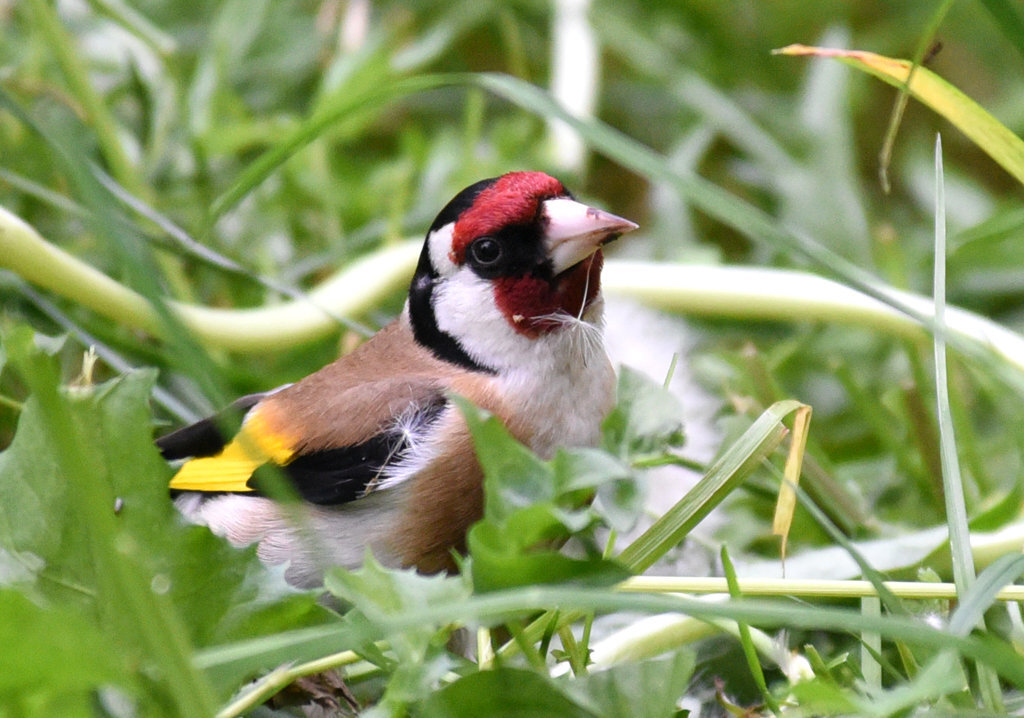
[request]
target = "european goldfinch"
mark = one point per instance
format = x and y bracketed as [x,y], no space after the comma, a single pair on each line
[504,309]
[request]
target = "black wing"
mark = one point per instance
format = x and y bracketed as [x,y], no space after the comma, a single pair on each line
[343,474]
[207,437]
[326,477]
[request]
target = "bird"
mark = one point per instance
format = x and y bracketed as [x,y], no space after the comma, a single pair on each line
[505,310]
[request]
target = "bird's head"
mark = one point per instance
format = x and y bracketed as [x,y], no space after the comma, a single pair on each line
[507,262]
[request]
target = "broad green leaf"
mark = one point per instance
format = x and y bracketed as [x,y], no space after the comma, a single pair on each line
[646,418]
[619,499]
[514,477]
[968,116]
[36,539]
[585,468]
[50,538]
[642,689]
[498,563]
[381,592]
[131,602]
[505,692]
[53,650]
[531,506]
[823,697]
[620,503]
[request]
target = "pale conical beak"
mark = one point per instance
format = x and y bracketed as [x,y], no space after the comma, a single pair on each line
[573,231]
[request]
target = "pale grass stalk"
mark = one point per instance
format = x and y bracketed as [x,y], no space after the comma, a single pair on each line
[654,635]
[575,77]
[272,683]
[809,588]
[358,287]
[717,291]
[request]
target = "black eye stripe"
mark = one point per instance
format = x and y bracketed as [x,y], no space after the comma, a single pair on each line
[520,252]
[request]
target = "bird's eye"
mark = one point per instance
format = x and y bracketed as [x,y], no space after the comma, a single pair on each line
[485,252]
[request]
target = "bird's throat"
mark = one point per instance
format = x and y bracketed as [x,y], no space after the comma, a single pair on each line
[531,304]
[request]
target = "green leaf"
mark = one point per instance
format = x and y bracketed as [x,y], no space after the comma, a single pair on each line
[131,603]
[87,524]
[498,563]
[619,498]
[646,418]
[380,592]
[620,504]
[35,540]
[514,477]
[585,468]
[822,697]
[642,689]
[40,645]
[506,692]
[531,505]
[988,133]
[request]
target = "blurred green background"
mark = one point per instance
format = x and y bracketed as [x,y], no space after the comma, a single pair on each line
[175,101]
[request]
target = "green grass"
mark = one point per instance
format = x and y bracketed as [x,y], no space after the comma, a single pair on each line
[217,195]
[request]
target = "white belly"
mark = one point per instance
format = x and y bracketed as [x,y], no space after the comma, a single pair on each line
[306,539]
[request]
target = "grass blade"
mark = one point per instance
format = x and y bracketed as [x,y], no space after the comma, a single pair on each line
[785,506]
[749,651]
[952,482]
[967,115]
[342,106]
[77,76]
[500,605]
[885,155]
[985,591]
[745,455]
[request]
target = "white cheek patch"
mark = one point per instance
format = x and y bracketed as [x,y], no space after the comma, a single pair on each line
[440,243]
[465,308]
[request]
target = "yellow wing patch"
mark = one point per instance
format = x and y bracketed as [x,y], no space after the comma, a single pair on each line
[230,470]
